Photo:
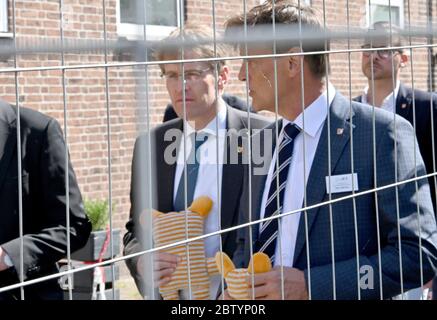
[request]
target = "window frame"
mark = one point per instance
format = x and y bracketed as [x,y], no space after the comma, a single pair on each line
[393,3]
[4,28]
[132,31]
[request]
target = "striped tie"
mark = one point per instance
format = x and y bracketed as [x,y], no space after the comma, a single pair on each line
[268,231]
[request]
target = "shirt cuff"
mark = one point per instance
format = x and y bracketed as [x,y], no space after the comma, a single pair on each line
[7,260]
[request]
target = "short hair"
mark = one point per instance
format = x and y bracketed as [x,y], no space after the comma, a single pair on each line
[381,32]
[196,39]
[289,13]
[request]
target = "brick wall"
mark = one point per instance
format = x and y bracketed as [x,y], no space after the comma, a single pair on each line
[85,97]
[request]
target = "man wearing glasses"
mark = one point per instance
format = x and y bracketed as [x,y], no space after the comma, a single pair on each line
[205,133]
[382,67]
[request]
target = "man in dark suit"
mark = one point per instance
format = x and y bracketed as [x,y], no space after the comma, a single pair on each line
[388,93]
[43,170]
[232,101]
[382,68]
[347,249]
[158,176]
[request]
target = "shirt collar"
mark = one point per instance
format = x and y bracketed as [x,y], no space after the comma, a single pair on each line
[387,99]
[315,114]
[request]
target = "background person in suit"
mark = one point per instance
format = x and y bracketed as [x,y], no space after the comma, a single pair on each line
[382,69]
[43,197]
[209,121]
[232,101]
[392,95]
[331,249]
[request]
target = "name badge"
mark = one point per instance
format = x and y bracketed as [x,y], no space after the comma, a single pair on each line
[342,183]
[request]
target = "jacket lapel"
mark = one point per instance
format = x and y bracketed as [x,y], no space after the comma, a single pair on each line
[404,102]
[316,186]
[232,172]
[8,139]
[165,178]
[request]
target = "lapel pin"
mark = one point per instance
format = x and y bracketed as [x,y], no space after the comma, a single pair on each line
[240,149]
[340,131]
[404,105]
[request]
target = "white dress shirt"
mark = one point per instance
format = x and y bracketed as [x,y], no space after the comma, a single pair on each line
[209,179]
[389,102]
[315,116]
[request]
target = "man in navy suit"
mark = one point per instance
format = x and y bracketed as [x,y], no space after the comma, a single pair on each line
[383,68]
[385,90]
[366,247]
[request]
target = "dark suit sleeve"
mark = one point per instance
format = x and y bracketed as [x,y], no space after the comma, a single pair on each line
[425,116]
[242,252]
[242,236]
[48,244]
[417,229]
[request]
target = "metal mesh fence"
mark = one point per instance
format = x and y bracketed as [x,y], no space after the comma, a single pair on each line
[106,92]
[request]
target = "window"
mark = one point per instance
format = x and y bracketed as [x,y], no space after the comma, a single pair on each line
[162,17]
[3,15]
[380,11]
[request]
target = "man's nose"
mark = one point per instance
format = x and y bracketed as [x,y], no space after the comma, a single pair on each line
[180,84]
[374,55]
[242,72]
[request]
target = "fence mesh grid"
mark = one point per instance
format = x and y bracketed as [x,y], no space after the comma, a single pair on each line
[106,91]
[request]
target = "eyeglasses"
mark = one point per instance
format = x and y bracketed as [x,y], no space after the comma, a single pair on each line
[188,75]
[381,53]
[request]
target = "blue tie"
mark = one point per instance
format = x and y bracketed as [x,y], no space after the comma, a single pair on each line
[268,232]
[192,172]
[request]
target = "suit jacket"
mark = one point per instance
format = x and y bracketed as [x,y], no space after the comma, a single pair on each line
[233,101]
[43,201]
[160,175]
[416,107]
[368,208]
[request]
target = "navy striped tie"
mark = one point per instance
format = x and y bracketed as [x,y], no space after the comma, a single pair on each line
[268,232]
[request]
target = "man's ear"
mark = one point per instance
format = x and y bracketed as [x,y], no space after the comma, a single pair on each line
[294,63]
[223,78]
[404,60]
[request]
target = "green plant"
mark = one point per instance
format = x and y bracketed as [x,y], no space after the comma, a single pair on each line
[98,213]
